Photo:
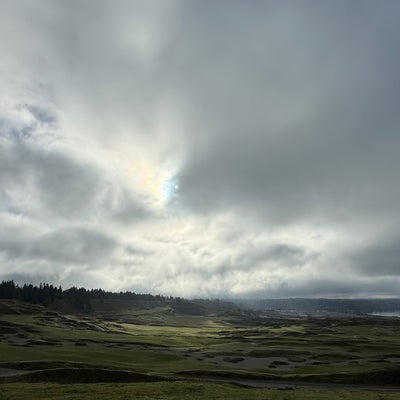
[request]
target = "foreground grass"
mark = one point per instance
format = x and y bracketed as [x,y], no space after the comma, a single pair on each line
[175,391]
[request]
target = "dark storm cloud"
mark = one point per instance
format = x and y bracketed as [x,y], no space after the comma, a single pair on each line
[296,112]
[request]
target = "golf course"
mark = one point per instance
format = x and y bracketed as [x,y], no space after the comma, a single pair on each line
[124,349]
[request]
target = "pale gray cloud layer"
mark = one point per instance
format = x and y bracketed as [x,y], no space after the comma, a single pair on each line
[205,148]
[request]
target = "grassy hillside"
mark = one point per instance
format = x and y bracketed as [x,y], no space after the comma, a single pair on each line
[157,343]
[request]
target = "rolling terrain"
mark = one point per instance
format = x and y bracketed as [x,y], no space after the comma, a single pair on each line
[138,349]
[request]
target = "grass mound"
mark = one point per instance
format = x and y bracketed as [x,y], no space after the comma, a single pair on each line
[387,376]
[78,375]
[228,374]
[9,307]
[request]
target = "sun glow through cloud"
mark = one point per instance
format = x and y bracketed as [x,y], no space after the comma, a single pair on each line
[160,184]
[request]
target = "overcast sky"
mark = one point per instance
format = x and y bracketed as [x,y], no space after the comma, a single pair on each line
[201,148]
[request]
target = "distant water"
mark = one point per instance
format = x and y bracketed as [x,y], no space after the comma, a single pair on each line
[387,314]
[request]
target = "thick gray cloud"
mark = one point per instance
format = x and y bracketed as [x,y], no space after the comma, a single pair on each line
[378,258]
[64,187]
[304,116]
[201,148]
[76,246]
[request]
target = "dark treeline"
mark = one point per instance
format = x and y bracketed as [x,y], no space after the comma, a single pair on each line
[44,294]
[77,298]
